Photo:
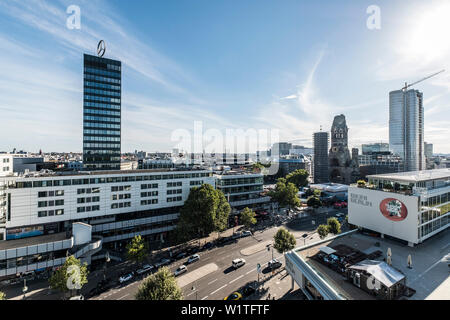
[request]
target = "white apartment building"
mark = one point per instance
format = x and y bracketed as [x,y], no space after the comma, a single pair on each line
[10,163]
[242,189]
[410,206]
[49,209]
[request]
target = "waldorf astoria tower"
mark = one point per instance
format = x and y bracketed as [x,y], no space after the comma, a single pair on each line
[101,113]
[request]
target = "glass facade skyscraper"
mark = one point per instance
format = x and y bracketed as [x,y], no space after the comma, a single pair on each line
[406,127]
[102,113]
[320,160]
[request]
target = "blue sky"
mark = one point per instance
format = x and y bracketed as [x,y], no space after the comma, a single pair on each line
[284,65]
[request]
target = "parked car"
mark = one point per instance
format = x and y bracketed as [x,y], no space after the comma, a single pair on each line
[249,289]
[162,262]
[236,235]
[192,250]
[238,263]
[181,255]
[207,246]
[246,234]
[339,215]
[193,258]
[234,296]
[274,264]
[80,297]
[126,277]
[145,268]
[181,269]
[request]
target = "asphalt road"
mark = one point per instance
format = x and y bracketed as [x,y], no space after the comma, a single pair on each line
[225,280]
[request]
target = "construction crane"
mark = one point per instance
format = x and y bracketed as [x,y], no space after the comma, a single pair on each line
[430,76]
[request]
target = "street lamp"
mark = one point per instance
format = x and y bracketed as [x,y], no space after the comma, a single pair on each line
[25,288]
[196,292]
[107,259]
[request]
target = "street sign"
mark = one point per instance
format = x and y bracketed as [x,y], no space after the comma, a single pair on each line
[258,268]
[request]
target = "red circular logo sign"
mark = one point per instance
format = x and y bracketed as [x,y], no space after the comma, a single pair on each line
[393,209]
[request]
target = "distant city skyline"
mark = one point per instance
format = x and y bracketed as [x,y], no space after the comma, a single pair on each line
[221,63]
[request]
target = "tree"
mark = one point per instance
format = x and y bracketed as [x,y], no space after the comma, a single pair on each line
[2,296]
[248,217]
[284,240]
[361,183]
[298,177]
[334,226]
[322,230]
[137,249]
[314,202]
[161,285]
[285,193]
[72,275]
[206,210]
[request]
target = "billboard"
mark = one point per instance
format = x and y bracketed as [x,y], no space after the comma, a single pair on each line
[389,213]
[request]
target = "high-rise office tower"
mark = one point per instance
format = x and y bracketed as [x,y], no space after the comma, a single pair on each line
[101,113]
[320,161]
[428,147]
[406,128]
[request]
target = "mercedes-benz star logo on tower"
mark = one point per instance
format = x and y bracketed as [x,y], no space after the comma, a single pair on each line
[101,48]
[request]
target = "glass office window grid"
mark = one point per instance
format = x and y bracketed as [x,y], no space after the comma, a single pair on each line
[102,113]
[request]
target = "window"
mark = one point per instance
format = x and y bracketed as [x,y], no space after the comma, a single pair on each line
[59,202]
[42,194]
[42,214]
[59,212]
[42,204]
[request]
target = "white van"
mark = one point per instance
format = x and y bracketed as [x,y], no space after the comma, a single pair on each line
[238,263]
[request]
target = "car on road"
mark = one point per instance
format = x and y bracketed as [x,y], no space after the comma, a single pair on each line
[80,297]
[126,277]
[339,215]
[234,296]
[193,258]
[181,269]
[274,264]
[246,234]
[145,268]
[238,263]
[162,262]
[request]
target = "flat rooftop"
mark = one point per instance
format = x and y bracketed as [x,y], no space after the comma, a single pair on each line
[429,275]
[31,241]
[330,187]
[415,176]
[37,174]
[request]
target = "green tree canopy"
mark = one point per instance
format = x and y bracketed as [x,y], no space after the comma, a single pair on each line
[361,183]
[161,285]
[298,177]
[285,193]
[71,276]
[248,217]
[284,240]
[137,249]
[2,296]
[314,202]
[323,231]
[334,226]
[206,210]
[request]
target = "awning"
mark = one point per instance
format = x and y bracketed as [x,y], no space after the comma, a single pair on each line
[380,270]
[327,250]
